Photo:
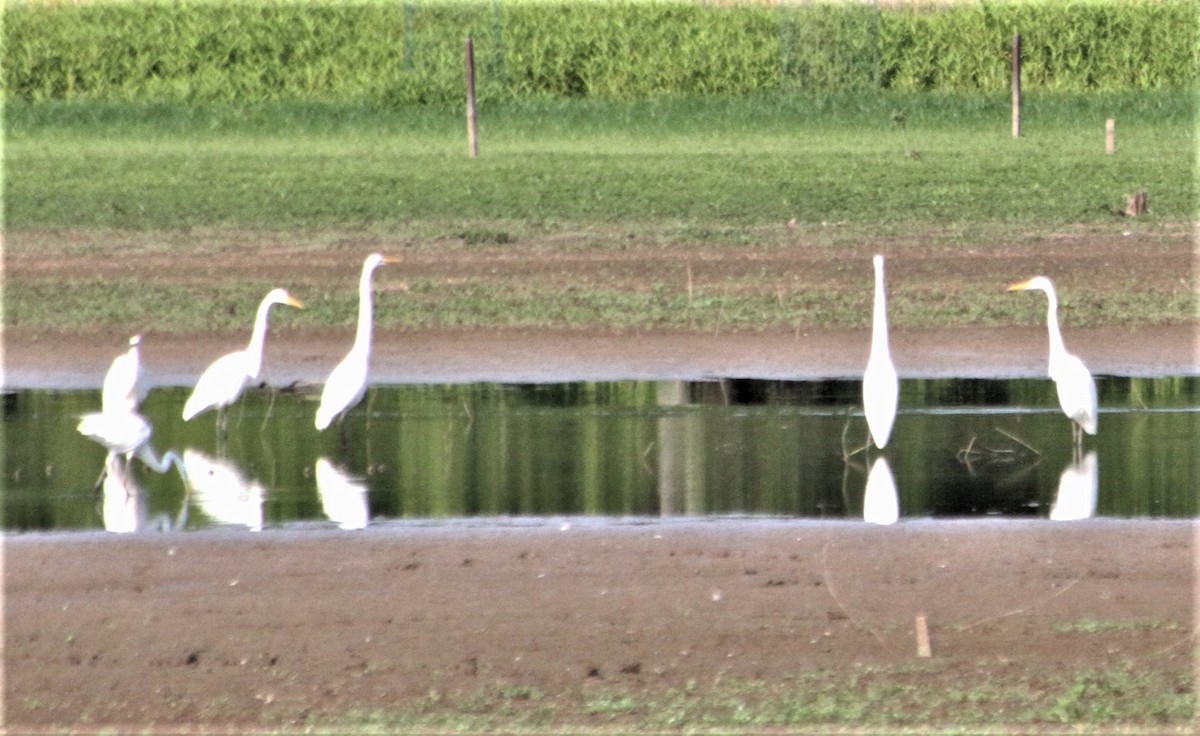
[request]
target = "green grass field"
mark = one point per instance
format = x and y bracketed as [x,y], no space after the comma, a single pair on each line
[685,173]
[890,161]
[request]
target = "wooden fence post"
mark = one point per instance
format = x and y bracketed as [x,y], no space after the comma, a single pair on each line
[1016,85]
[1110,135]
[472,123]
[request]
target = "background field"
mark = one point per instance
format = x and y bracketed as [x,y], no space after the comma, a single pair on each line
[242,139]
[126,216]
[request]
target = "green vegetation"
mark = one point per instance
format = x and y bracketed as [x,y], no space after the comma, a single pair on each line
[700,163]
[688,175]
[896,699]
[410,52]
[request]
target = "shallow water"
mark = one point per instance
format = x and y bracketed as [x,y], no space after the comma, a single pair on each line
[960,448]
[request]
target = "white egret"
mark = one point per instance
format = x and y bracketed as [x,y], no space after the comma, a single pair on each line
[123,384]
[223,382]
[126,433]
[1076,389]
[881,386]
[348,381]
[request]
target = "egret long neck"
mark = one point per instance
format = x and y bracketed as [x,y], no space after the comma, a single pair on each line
[257,340]
[1056,340]
[879,330]
[362,338]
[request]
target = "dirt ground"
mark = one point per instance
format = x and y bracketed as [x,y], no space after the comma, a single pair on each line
[289,628]
[229,631]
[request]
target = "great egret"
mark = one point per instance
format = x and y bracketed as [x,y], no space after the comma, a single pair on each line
[123,384]
[881,387]
[223,382]
[127,433]
[348,382]
[1076,389]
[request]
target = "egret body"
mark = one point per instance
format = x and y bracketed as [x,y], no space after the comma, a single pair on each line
[123,384]
[1076,388]
[881,386]
[347,383]
[223,382]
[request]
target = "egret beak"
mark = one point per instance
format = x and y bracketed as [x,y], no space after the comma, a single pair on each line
[392,259]
[1021,285]
[293,301]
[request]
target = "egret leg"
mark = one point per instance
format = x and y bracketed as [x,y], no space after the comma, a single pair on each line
[847,454]
[343,433]
[100,479]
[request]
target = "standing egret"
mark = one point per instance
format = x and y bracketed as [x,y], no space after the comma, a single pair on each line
[223,382]
[881,387]
[123,384]
[348,382]
[1076,389]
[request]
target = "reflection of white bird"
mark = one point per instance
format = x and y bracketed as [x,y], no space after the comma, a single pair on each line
[348,382]
[124,507]
[343,498]
[881,386]
[1076,389]
[123,384]
[1077,488]
[223,382]
[881,502]
[223,493]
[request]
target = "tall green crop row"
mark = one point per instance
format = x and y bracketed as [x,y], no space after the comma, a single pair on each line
[1067,46]
[411,51]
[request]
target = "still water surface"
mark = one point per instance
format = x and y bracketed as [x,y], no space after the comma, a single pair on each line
[960,448]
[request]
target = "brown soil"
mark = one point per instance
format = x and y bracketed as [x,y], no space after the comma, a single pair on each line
[288,628]
[231,631]
[1092,263]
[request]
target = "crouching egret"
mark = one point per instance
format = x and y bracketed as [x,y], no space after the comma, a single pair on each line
[881,386]
[1076,388]
[127,434]
[223,382]
[348,381]
[123,384]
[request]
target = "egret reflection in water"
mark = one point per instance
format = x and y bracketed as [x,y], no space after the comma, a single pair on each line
[343,497]
[979,448]
[881,501]
[1077,490]
[223,493]
[125,504]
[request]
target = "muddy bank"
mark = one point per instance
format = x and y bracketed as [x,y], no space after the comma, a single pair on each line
[228,629]
[32,361]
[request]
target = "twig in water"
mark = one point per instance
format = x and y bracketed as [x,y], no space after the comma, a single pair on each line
[1018,440]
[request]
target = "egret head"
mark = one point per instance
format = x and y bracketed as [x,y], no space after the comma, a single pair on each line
[1040,283]
[378,259]
[281,296]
